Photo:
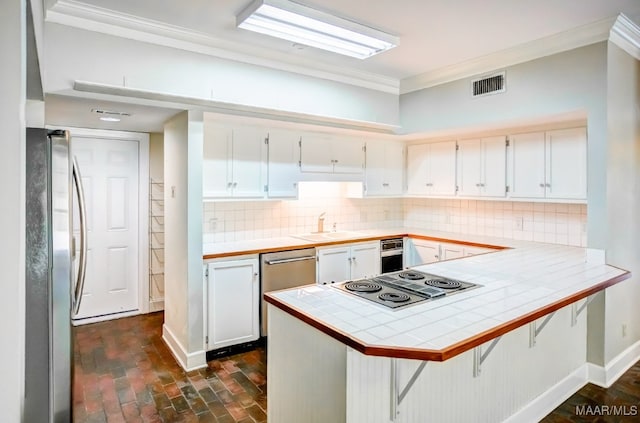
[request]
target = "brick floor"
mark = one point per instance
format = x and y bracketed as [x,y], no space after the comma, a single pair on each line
[624,394]
[123,372]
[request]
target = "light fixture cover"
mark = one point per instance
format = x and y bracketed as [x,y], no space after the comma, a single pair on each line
[302,24]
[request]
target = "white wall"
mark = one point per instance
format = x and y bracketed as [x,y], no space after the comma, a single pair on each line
[12,208]
[184,316]
[133,64]
[558,84]
[623,199]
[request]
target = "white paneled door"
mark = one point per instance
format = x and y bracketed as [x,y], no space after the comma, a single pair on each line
[109,169]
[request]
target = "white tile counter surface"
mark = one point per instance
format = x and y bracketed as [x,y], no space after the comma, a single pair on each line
[290,242]
[515,282]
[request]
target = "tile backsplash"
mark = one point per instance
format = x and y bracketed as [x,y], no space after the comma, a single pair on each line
[556,223]
[542,222]
[241,220]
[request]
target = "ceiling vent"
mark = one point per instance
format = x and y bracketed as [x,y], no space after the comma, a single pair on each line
[489,84]
[101,112]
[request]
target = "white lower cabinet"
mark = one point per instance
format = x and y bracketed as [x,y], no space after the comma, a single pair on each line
[451,251]
[348,262]
[233,297]
[423,252]
[419,251]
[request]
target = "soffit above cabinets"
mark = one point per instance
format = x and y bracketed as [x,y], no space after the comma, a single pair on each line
[438,40]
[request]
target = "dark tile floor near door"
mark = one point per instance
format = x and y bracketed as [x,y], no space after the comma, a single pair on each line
[125,373]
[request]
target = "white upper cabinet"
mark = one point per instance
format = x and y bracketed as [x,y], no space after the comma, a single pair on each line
[216,162]
[233,161]
[549,165]
[331,154]
[282,164]
[527,154]
[482,167]
[384,168]
[431,169]
[566,170]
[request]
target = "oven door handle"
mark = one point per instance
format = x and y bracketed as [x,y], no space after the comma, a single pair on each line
[390,253]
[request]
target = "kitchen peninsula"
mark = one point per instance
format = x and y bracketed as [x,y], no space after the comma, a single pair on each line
[506,350]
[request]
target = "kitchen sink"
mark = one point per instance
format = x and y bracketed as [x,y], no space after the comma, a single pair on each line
[328,236]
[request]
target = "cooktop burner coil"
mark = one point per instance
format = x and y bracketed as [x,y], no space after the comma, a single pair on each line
[444,283]
[394,297]
[412,276]
[363,287]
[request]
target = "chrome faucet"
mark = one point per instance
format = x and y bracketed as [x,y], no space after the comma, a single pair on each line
[321,222]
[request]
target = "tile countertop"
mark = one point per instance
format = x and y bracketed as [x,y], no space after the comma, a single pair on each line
[520,285]
[228,249]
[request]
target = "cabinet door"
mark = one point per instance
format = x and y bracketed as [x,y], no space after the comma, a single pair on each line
[233,296]
[375,168]
[417,169]
[282,168]
[348,155]
[494,167]
[216,161]
[442,168]
[472,251]
[469,167]
[394,169]
[365,260]
[333,264]
[425,252]
[316,153]
[451,251]
[527,165]
[248,162]
[566,160]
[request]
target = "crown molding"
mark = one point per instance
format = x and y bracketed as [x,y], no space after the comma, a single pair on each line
[93,18]
[626,34]
[557,43]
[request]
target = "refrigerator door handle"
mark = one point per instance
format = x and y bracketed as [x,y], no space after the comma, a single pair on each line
[82,212]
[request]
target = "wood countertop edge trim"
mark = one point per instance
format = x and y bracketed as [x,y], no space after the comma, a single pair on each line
[338,242]
[453,350]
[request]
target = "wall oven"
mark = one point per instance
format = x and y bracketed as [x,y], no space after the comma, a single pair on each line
[391,255]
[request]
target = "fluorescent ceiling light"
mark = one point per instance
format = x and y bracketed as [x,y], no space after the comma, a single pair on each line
[109,119]
[304,25]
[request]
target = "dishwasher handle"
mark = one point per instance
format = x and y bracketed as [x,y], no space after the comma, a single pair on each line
[290,260]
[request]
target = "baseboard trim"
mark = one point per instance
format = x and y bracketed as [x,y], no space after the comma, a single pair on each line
[104,318]
[188,361]
[607,375]
[156,305]
[546,402]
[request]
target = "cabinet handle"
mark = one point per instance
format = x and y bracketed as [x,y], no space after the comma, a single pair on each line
[482,185]
[229,184]
[295,184]
[548,185]
[255,275]
[385,184]
[477,185]
[542,185]
[235,184]
[349,259]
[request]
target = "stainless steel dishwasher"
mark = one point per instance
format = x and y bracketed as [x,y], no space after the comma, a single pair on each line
[282,270]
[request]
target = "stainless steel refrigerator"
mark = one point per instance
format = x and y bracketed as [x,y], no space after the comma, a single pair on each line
[54,275]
